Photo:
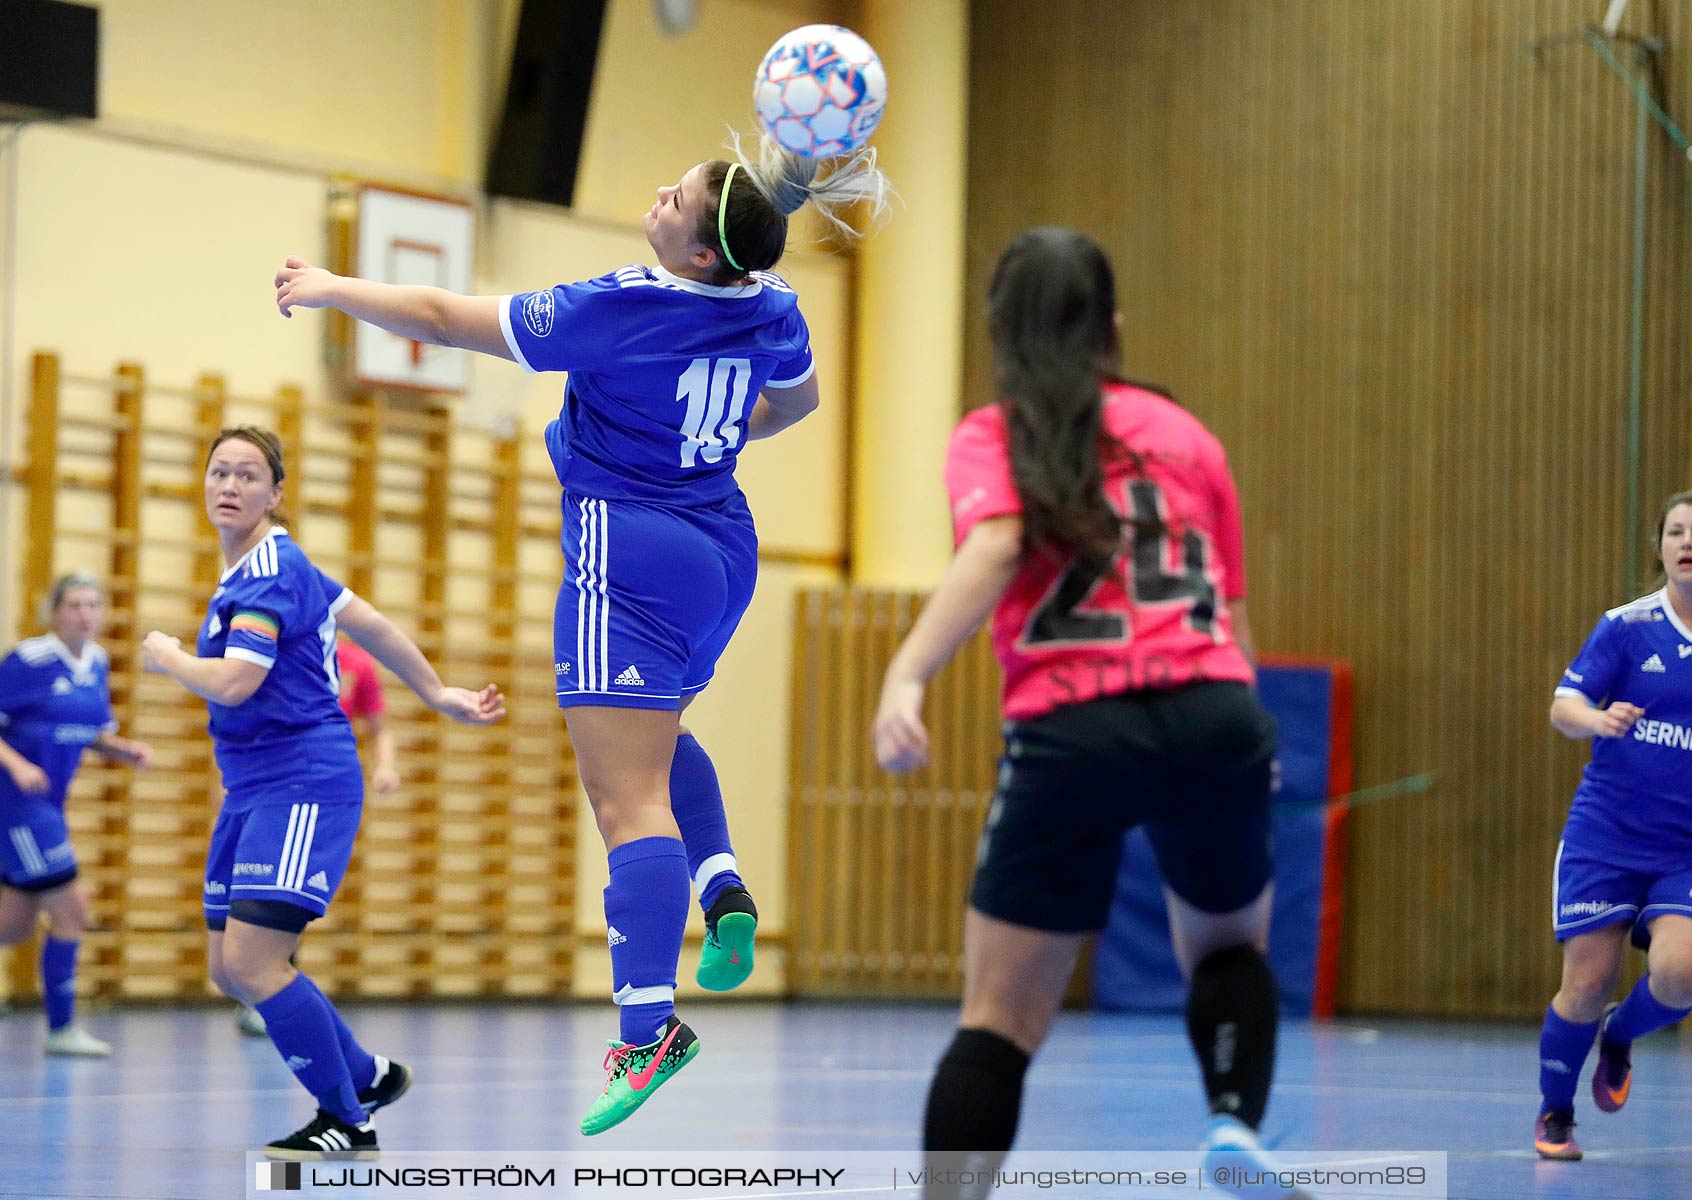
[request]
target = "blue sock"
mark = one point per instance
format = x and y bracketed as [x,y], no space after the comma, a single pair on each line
[58,980]
[1639,1014]
[645,915]
[302,1028]
[1562,1052]
[361,1067]
[696,800]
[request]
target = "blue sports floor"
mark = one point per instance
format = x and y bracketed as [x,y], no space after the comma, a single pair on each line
[171,1116]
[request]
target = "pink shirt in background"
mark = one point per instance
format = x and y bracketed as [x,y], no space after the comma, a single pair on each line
[361,690]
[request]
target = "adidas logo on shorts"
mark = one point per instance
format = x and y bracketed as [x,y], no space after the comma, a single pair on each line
[629,678]
[613,938]
[320,881]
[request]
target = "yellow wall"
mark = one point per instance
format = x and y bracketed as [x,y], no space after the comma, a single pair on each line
[660,104]
[910,334]
[392,85]
[153,233]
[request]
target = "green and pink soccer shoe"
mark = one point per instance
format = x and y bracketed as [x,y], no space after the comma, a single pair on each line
[636,1072]
[731,924]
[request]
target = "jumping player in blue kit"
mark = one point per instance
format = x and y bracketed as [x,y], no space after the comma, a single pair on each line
[1625,860]
[673,369]
[55,701]
[264,662]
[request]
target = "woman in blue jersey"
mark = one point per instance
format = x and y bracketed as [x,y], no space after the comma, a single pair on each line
[673,369]
[55,700]
[264,663]
[1624,864]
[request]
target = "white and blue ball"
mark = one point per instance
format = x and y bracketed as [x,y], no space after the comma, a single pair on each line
[820,91]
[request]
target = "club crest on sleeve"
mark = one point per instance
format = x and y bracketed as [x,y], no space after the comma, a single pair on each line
[537,313]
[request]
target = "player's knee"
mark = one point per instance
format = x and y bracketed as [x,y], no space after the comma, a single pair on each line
[251,974]
[224,983]
[68,917]
[1671,976]
[1584,993]
[16,927]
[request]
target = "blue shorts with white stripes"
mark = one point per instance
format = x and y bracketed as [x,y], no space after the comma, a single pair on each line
[294,853]
[35,851]
[1589,893]
[651,596]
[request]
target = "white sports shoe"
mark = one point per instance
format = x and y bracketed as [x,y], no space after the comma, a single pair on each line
[76,1042]
[1240,1166]
[248,1021]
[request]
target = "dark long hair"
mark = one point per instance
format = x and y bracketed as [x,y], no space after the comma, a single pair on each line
[1051,312]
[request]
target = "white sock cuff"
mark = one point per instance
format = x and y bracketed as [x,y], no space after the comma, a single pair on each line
[711,868]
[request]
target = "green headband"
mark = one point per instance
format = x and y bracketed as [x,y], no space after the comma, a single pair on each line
[722,216]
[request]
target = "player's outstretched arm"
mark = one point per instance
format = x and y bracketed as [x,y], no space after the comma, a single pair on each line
[422,314]
[978,576]
[388,646]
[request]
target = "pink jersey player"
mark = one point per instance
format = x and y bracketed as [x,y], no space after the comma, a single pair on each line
[1098,528]
[1159,617]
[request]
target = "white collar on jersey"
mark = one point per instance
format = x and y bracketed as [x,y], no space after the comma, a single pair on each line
[671,279]
[1674,618]
[80,665]
[276,531]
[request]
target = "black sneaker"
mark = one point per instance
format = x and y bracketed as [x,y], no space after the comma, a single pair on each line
[391,1082]
[326,1138]
[731,924]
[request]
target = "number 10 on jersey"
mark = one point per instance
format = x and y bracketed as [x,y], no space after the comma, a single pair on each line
[712,388]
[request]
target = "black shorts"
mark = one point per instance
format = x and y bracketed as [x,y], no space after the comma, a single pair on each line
[1191,764]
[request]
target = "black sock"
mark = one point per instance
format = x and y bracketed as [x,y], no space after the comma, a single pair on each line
[973,1106]
[1232,1009]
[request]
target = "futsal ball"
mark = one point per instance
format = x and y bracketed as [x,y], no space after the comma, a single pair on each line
[820,91]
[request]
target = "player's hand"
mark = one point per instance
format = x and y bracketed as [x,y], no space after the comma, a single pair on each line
[385,781]
[155,648]
[31,779]
[1617,720]
[140,754]
[301,285]
[901,741]
[470,708]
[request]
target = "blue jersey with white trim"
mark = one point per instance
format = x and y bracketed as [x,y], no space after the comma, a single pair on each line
[1634,805]
[274,608]
[52,705]
[664,372]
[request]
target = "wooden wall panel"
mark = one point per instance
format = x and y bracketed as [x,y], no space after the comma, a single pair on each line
[879,865]
[463,882]
[1382,249]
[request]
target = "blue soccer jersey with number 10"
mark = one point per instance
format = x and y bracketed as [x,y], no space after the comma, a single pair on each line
[663,375]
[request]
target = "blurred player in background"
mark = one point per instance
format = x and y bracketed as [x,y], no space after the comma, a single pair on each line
[1624,864]
[55,699]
